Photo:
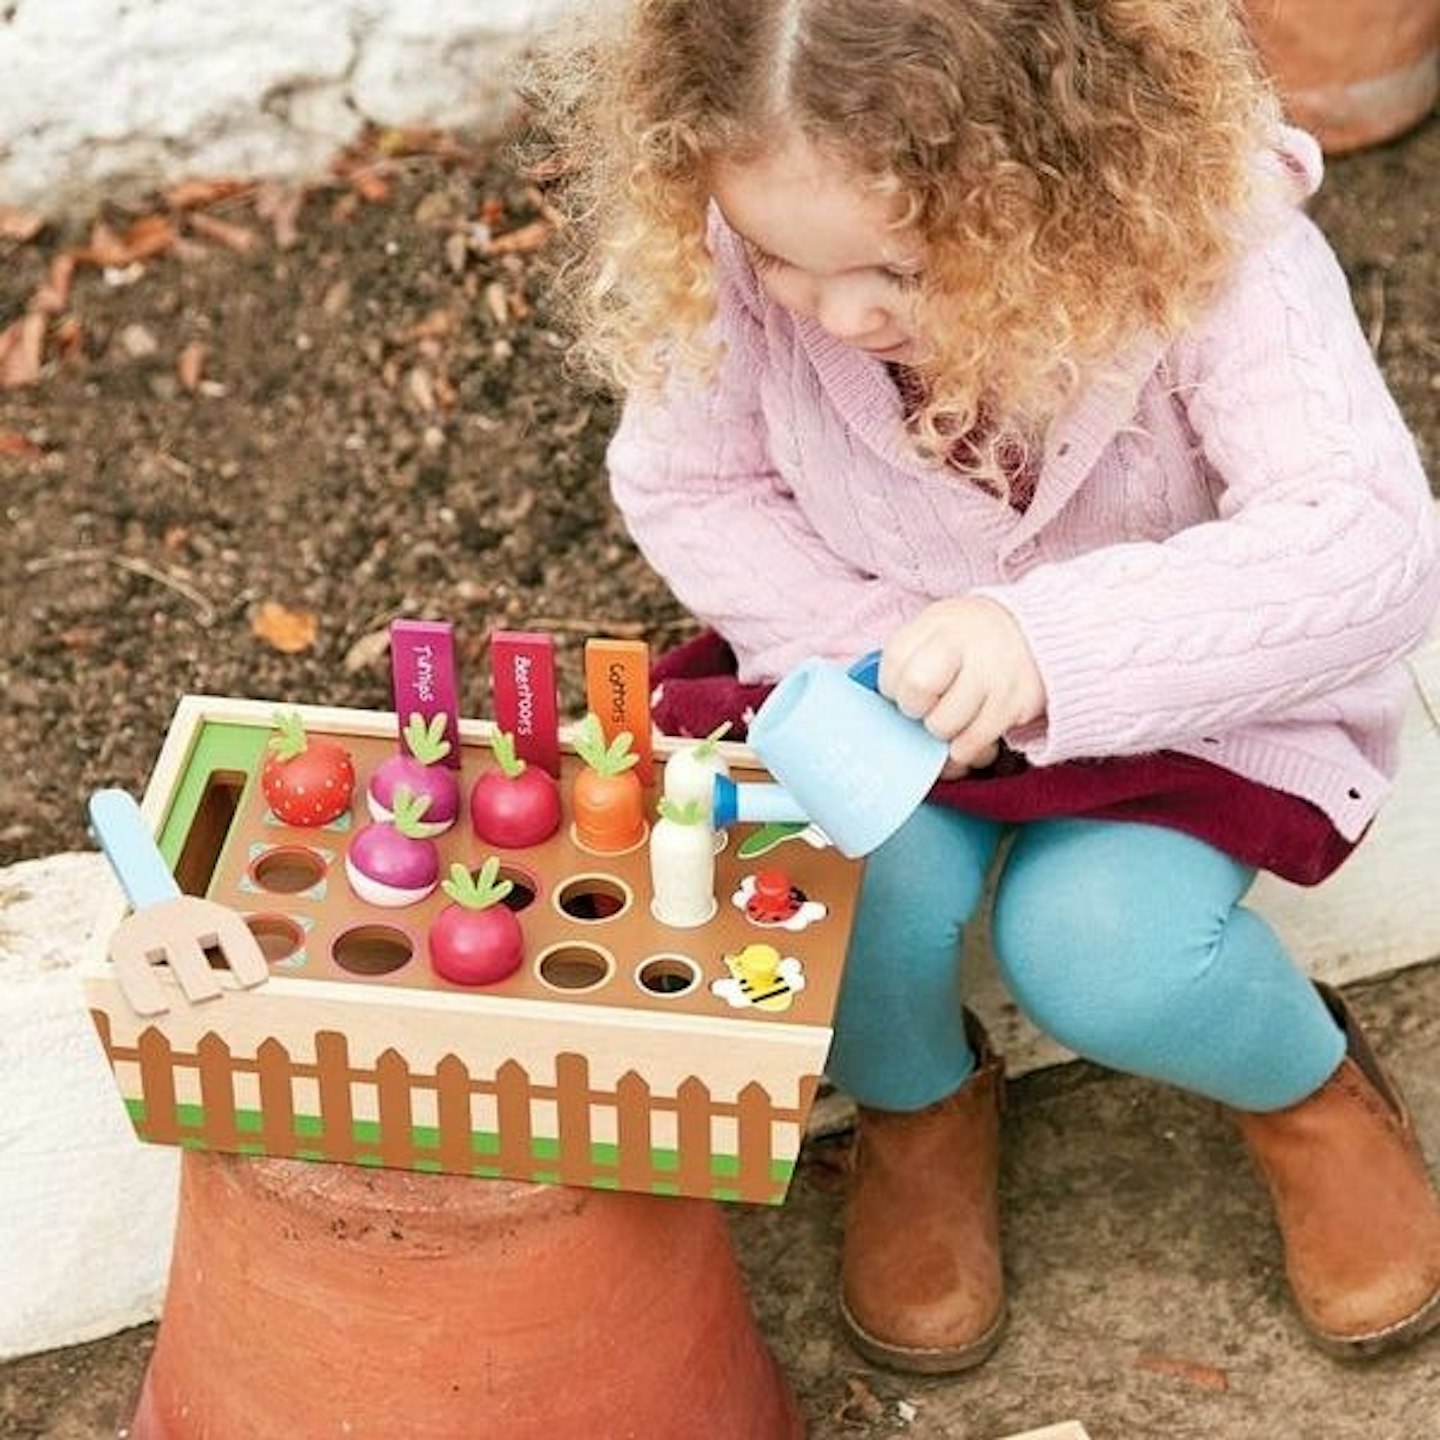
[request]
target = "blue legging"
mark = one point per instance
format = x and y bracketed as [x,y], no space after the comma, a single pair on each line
[1126,943]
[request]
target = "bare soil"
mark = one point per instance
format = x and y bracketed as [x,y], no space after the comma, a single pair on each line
[244,455]
[366,419]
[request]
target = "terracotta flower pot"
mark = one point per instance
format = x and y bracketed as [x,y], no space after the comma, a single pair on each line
[1353,72]
[311,1301]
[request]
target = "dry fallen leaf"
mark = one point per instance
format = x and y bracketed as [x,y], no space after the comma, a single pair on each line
[54,294]
[1212,1377]
[18,224]
[497,303]
[68,338]
[368,651]
[289,631]
[345,207]
[371,185]
[14,446]
[190,366]
[399,141]
[149,236]
[861,1405]
[281,206]
[239,238]
[422,389]
[435,326]
[22,344]
[192,194]
[82,637]
[522,240]
[337,298]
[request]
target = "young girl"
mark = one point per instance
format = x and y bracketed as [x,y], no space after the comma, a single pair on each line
[990,334]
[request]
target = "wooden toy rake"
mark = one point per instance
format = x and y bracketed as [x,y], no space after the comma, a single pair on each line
[182,931]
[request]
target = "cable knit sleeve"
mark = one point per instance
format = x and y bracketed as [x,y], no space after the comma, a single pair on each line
[694,481]
[1319,569]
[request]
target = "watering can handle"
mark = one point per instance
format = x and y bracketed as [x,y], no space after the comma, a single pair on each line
[867,671]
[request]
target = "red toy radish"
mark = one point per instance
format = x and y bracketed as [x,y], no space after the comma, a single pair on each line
[475,940]
[517,804]
[307,780]
[608,798]
[419,769]
[391,862]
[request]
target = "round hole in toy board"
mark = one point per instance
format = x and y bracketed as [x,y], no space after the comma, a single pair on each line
[279,936]
[575,967]
[669,975]
[373,949]
[592,898]
[288,869]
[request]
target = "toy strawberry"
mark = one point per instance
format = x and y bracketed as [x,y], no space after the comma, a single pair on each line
[307,780]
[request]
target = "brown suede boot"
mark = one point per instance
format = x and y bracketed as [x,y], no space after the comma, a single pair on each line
[1357,1213]
[920,1279]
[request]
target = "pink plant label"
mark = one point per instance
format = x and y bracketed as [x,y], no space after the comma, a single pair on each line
[525,697]
[423,675]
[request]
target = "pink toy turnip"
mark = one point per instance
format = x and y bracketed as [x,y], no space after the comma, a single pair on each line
[392,862]
[475,940]
[420,770]
[516,805]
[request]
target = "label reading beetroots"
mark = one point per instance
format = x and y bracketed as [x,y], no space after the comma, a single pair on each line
[526,703]
[423,677]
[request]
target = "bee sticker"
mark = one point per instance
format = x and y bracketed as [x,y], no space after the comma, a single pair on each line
[759,976]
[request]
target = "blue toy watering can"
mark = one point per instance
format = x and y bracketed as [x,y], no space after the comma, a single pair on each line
[844,756]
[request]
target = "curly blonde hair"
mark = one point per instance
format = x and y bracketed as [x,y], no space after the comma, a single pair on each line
[1074,170]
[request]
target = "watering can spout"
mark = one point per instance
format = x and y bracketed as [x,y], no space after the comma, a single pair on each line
[754,801]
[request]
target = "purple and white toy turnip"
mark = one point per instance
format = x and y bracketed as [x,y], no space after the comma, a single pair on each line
[420,770]
[393,862]
[476,940]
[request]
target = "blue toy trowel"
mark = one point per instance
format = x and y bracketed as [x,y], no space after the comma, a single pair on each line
[166,927]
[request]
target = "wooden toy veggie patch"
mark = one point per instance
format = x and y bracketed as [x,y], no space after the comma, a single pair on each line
[538,1015]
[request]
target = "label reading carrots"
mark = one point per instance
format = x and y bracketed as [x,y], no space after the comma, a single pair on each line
[617,690]
[522,670]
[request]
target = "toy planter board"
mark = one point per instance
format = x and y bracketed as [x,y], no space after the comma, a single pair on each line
[622,1054]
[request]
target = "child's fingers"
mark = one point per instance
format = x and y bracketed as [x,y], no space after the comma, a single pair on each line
[922,680]
[919,665]
[978,744]
[958,708]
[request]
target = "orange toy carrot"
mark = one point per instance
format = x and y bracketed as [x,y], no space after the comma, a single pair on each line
[607,798]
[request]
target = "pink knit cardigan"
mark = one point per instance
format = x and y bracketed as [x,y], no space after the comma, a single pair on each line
[1230,549]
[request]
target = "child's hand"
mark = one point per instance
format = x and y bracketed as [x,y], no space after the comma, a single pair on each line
[964,668]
